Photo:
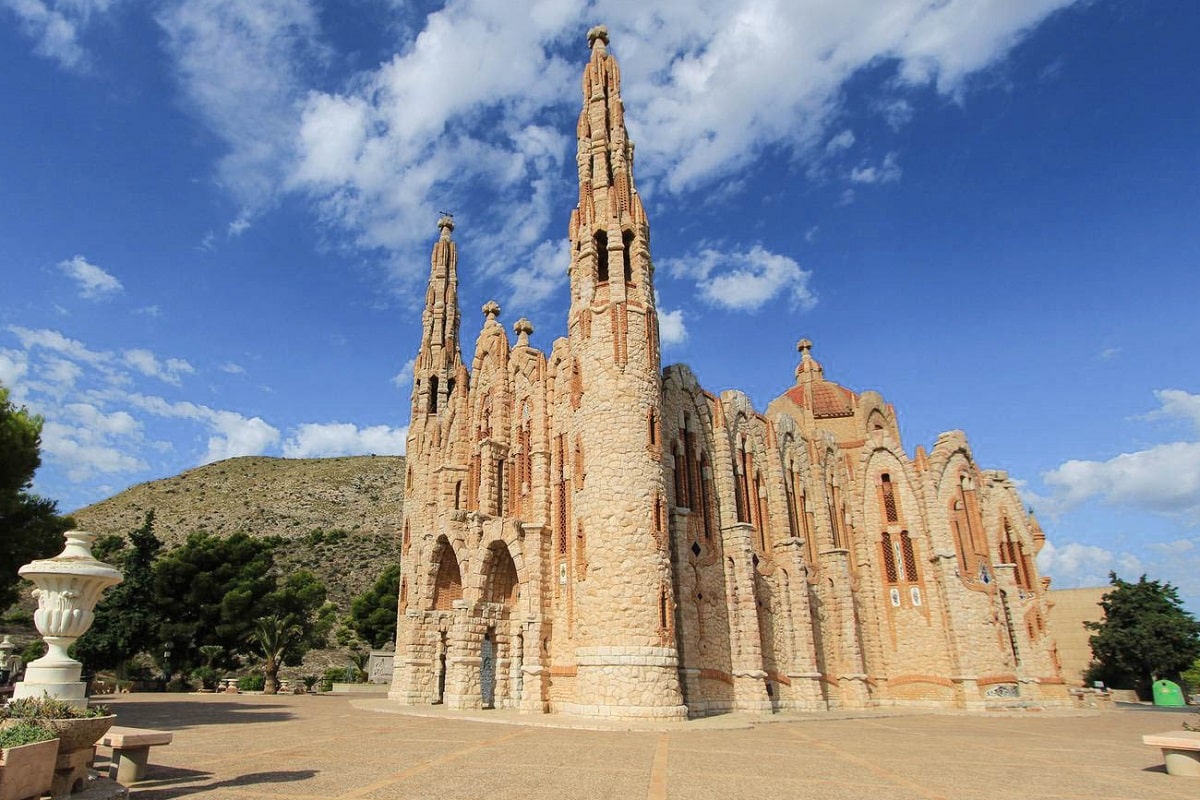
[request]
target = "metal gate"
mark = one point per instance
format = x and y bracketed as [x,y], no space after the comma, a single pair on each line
[487,670]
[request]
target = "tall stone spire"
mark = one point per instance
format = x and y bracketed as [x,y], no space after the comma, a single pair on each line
[624,634]
[610,256]
[439,358]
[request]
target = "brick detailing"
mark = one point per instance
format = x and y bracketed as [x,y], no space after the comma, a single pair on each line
[631,545]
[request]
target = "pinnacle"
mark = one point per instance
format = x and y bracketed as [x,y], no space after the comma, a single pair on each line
[599,32]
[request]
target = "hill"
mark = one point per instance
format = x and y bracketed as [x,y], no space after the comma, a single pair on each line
[341,517]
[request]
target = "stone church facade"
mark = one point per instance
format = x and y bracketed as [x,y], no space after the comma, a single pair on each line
[588,533]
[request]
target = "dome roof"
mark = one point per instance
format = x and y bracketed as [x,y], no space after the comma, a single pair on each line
[825,399]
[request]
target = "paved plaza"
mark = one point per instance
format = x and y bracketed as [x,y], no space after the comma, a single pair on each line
[317,747]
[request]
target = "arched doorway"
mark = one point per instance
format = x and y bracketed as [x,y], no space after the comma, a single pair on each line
[500,650]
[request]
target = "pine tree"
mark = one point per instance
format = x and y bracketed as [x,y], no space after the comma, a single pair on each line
[1146,634]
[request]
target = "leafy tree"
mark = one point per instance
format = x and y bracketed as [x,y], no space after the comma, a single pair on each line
[127,617]
[1145,635]
[30,526]
[373,613]
[212,590]
[1191,676]
[301,598]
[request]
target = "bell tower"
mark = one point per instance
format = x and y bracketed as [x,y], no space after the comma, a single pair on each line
[625,642]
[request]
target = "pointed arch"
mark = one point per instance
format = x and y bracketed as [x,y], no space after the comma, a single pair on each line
[447,585]
[500,582]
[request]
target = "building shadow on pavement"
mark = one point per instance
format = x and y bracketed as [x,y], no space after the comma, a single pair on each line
[166,715]
[166,782]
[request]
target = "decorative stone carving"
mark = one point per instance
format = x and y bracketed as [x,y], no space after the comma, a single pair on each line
[68,588]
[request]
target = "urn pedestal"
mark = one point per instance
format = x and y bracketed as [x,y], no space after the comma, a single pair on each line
[68,588]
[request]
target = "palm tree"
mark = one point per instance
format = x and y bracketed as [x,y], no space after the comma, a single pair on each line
[274,635]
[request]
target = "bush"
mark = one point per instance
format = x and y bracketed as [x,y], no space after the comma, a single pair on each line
[208,677]
[29,709]
[251,683]
[25,733]
[310,681]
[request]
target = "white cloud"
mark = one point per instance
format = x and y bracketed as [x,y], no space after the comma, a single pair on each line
[168,371]
[240,64]
[13,366]
[94,282]
[888,171]
[321,440]
[543,272]
[1109,353]
[671,327]
[403,378]
[84,455]
[236,435]
[745,280]
[46,339]
[897,112]
[231,433]
[1075,564]
[840,142]
[232,368]
[463,106]
[55,25]
[87,441]
[1177,404]
[1164,478]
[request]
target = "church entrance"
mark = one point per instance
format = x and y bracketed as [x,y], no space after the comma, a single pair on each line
[487,669]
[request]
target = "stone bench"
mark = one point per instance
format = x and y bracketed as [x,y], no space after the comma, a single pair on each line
[1181,751]
[131,751]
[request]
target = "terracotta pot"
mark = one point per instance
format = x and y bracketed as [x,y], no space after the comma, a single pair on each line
[27,770]
[73,734]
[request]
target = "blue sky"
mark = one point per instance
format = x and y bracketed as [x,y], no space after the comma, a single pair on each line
[216,217]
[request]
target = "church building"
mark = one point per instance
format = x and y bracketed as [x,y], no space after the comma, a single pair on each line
[589,533]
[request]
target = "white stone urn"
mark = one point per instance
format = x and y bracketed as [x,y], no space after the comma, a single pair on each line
[68,588]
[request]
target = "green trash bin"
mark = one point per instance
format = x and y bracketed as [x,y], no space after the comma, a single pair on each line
[1168,693]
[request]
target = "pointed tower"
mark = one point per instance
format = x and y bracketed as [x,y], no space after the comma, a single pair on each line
[436,368]
[439,360]
[625,608]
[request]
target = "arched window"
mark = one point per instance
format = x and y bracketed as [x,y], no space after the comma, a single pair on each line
[601,240]
[888,491]
[447,586]
[889,559]
[433,394]
[739,492]
[681,490]
[706,495]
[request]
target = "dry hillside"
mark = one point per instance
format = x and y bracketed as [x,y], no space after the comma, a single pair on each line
[362,496]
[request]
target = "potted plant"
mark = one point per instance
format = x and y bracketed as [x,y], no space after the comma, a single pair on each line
[28,754]
[75,727]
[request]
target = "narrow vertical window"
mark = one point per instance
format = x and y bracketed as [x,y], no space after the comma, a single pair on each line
[681,488]
[433,394]
[500,487]
[705,492]
[627,255]
[601,240]
[910,558]
[889,498]
[889,559]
